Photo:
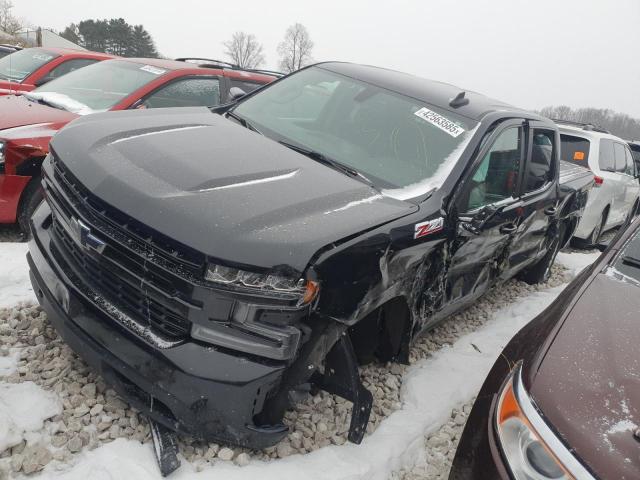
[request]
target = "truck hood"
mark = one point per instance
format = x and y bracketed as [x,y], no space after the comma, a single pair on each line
[17,111]
[588,384]
[219,188]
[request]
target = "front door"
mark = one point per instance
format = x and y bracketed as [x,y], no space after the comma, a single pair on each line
[489,215]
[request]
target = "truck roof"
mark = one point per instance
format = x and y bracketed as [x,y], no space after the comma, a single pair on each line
[433,92]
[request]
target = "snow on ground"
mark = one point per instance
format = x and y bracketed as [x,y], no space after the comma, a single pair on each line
[23,408]
[431,388]
[15,286]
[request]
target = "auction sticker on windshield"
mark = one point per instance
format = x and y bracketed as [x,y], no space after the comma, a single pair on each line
[152,69]
[439,121]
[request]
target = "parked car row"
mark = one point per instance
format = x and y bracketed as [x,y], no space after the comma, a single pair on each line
[211,262]
[28,121]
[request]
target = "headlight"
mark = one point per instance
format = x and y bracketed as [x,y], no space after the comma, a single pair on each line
[306,290]
[531,449]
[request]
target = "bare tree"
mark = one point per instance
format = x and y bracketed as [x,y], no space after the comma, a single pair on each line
[8,23]
[244,50]
[295,49]
[619,124]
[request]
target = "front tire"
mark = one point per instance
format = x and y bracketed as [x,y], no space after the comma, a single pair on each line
[31,197]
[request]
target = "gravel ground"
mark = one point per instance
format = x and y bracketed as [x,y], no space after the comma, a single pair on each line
[93,414]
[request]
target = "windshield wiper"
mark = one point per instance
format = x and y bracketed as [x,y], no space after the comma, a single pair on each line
[322,158]
[243,121]
[631,261]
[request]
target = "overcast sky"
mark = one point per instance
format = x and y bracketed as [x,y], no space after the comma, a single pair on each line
[529,53]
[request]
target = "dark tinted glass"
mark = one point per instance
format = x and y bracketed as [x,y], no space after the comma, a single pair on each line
[539,170]
[70,66]
[247,87]
[496,177]
[575,150]
[607,159]
[191,92]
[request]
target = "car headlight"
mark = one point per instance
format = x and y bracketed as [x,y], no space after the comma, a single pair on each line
[306,290]
[531,449]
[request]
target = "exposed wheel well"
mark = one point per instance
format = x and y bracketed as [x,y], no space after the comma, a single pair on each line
[383,334]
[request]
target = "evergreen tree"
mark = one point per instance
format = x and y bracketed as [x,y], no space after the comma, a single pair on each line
[114,36]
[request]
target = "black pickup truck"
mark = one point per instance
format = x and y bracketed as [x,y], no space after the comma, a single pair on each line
[209,264]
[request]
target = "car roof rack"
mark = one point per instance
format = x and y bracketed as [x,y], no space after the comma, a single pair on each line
[213,63]
[585,126]
[208,62]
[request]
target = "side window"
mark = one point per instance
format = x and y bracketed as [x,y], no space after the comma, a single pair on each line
[247,87]
[574,149]
[540,167]
[620,156]
[631,169]
[606,161]
[189,92]
[69,66]
[496,177]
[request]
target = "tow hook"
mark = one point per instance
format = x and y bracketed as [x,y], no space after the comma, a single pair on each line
[341,377]
[165,447]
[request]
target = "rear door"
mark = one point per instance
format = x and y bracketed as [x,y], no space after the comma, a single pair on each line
[489,214]
[625,172]
[539,198]
[613,186]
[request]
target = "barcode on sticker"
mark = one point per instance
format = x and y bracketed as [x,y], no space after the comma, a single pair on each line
[152,69]
[439,121]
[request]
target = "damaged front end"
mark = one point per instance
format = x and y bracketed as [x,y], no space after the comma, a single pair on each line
[199,357]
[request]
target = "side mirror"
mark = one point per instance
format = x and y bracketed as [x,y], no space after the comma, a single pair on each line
[42,81]
[236,93]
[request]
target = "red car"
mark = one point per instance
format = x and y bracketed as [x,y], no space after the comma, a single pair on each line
[24,70]
[28,121]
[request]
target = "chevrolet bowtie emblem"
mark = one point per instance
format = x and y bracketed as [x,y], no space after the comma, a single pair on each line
[82,235]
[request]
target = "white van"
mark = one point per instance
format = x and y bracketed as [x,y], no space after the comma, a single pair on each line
[614,200]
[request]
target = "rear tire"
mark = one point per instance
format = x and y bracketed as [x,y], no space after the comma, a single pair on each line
[31,197]
[541,271]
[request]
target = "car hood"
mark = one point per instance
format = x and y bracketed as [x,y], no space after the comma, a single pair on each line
[218,187]
[17,111]
[588,384]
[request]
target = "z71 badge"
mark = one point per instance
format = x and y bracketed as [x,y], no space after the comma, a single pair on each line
[427,228]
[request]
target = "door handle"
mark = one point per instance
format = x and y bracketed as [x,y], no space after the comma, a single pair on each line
[508,228]
[550,211]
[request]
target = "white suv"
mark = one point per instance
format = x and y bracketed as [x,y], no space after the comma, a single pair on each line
[614,200]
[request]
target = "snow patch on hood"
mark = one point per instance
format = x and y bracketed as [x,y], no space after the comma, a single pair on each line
[62,101]
[437,179]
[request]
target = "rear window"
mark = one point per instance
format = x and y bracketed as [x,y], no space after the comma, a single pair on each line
[575,150]
[19,65]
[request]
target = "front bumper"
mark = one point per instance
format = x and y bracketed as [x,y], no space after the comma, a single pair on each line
[190,387]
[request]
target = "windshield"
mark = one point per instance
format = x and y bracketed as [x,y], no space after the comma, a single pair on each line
[19,65]
[97,87]
[404,146]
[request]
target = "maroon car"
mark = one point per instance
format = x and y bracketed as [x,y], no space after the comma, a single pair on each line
[563,399]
